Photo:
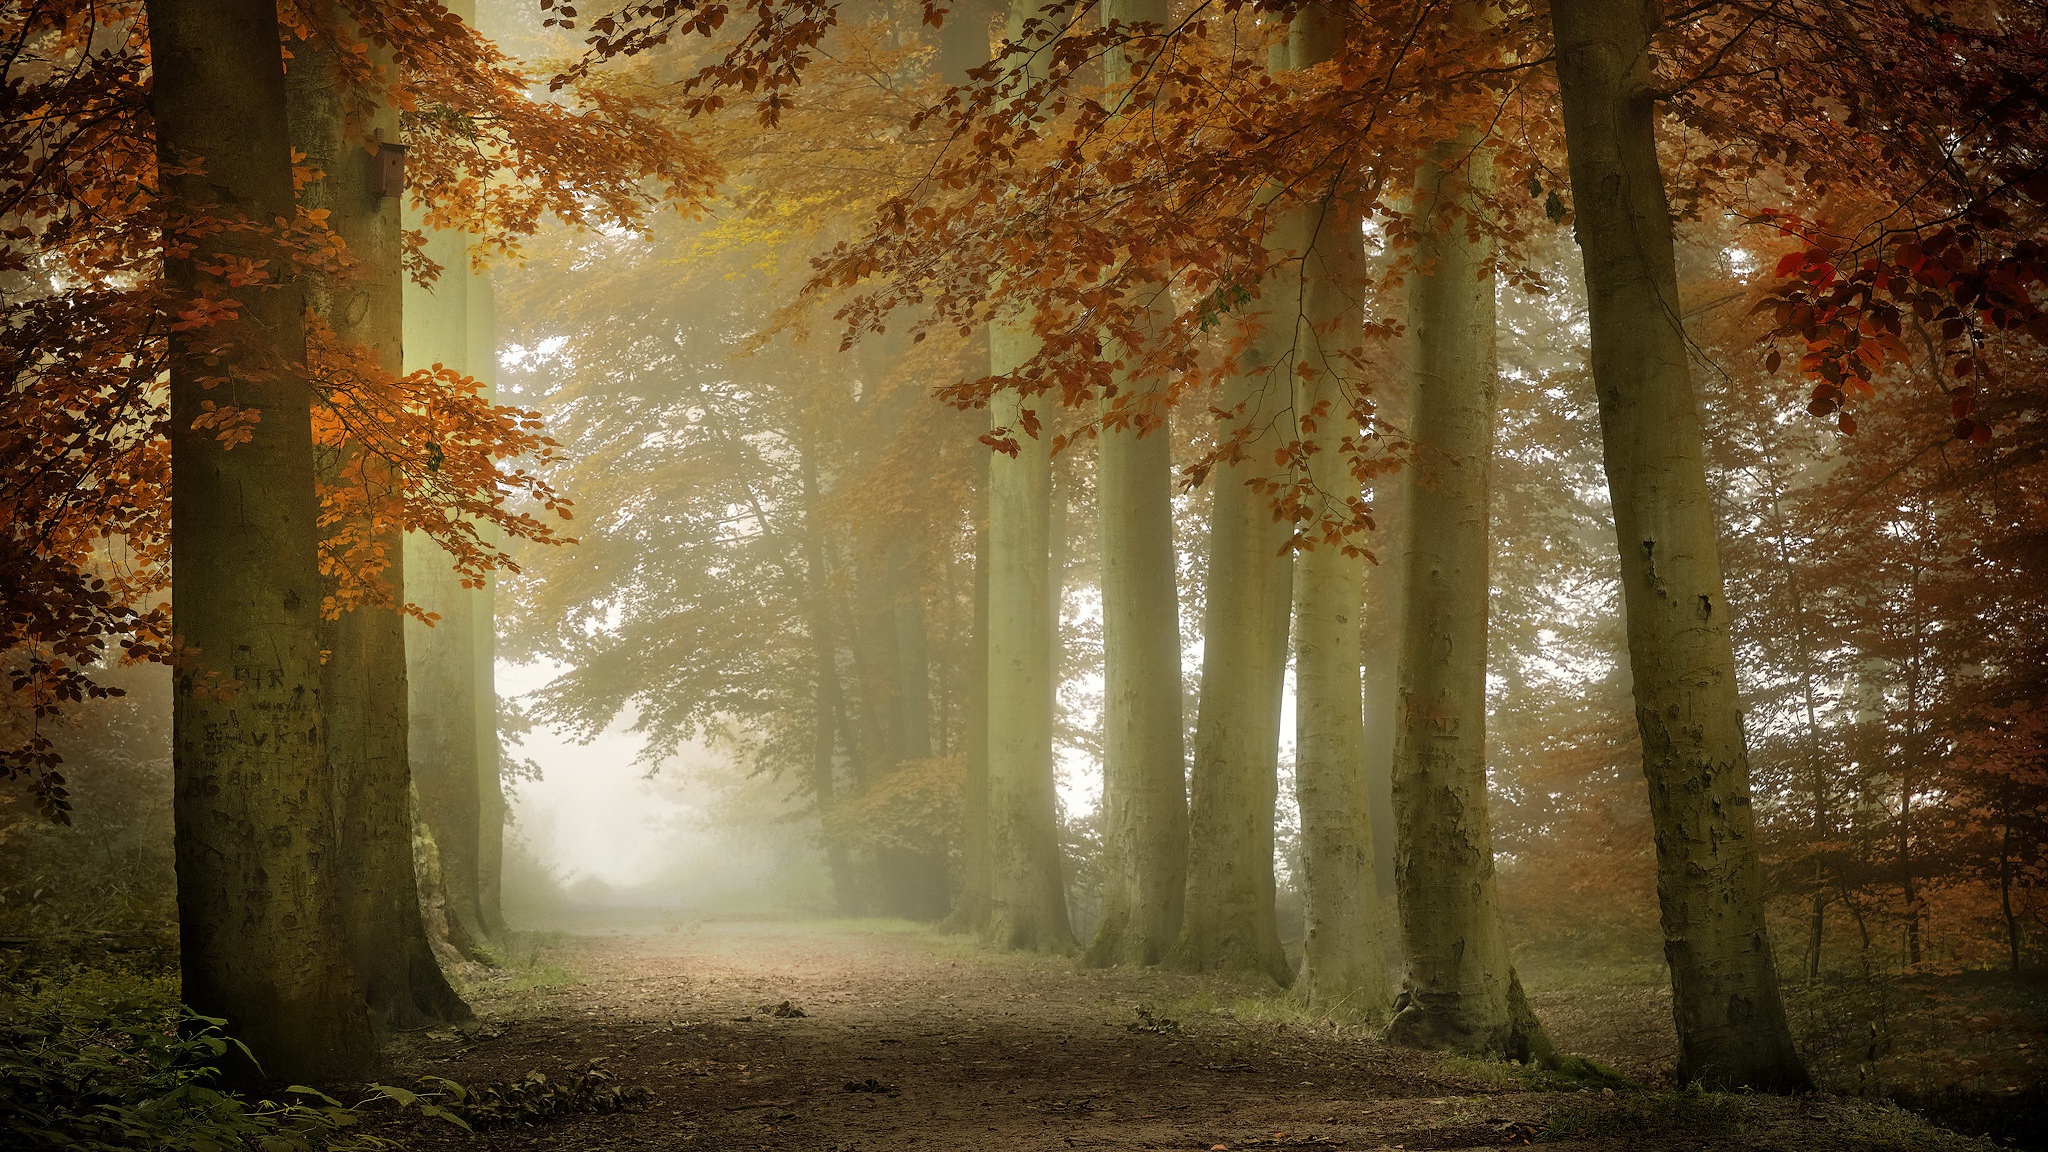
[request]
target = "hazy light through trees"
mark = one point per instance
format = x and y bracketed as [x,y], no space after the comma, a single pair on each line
[1475,532]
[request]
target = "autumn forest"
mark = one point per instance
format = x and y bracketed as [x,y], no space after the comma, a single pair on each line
[1128,574]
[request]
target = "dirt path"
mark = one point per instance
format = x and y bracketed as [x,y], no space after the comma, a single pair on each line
[907,1040]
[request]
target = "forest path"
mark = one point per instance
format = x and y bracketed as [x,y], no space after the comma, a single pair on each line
[911,1040]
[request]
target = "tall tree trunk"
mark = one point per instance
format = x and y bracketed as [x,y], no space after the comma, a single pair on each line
[873,641]
[1731,1024]
[1027,890]
[1913,748]
[482,353]
[1344,962]
[970,910]
[1144,799]
[1460,991]
[1380,647]
[1820,803]
[1027,894]
[1228,923]
[913,655]
[2013,937]
[1144,758]
[363,682]
[919,875]
[825,693]
[965,44]
[254,824]
[441,658]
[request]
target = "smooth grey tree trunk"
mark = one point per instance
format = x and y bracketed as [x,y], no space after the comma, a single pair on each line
[964,44]
[363,681]
[1731,1023]
[1459,993]
[258,917]
[970,909]
[1344,964]
[492,812]
[1027,889]
[1380,638]
[1027,892]
[1144,760]
[441,658]
[1228,924]
[448,712]
[825,690]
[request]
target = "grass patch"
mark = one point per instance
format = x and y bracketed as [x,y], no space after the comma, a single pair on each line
[541,974]
[1706,1116]
[1744,1123]
[524,965]
[1244,1008]
[1573,1074]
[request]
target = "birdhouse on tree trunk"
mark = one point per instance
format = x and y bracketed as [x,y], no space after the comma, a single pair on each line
[387,170]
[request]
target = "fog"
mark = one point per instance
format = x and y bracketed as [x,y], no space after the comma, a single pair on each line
[1190,489]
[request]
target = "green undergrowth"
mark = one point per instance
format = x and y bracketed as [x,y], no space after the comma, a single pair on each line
[1233,1003]
[100,1060]
[521,966]
[1737,1122]
[1964,1048]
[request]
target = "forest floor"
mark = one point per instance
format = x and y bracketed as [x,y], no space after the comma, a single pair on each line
[839,1037]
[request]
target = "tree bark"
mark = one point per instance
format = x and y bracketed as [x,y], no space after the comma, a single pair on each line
[1228,924]
[1027,889]
[1460,992]
[1380,645]
[482,353]
[1344,964]
[1731,1024]
[970,910]
[825,690]
[441,658]
[363,682]
[1144,758]
[1027,893]
[253,819]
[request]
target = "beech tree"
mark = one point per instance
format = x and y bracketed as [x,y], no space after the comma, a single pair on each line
[1188,233]
[1027,894]
[259,911]
[211,282]
[1229,921]
[1144,760]
[441,646]
[1731,1023]
[348,137]
[1461,991]
[1343,964]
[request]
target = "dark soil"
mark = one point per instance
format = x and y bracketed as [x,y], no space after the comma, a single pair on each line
[826,1038]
